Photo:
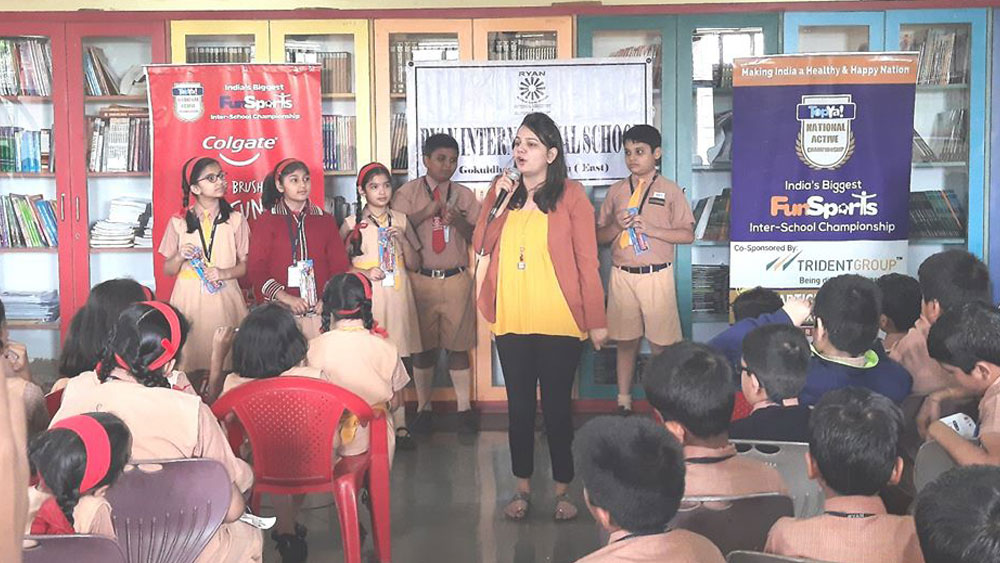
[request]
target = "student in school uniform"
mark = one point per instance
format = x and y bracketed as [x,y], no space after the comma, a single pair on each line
[442,214]
[19,384]
[854,434]
[633,480]
[291,232]
[643,217]
[165,424]
[211,228]
[77,460]
[772,374]
[691,387]
[956,516]
[901,304]
[13,471]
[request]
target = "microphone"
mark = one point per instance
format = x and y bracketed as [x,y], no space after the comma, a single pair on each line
[514,175]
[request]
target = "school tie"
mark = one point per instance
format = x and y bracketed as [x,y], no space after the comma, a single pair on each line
[624,240]
[437,235]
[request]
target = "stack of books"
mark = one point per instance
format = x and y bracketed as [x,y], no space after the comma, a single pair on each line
[119,140]
[710,288]
[127,218]
[99,79]
[220,54]
[26,151]
[949,140]
[402,52]
[944,55]
[335,74]
[40,306]
[25,67]
[522,46]
[338,142]
[936,214]
[27,221]
[711,217]
[399,155]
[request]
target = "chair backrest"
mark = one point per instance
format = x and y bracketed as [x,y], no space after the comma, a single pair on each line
[733,523]
[167,511]
[756,557]
[291,423]
[53,401]
[790,460]
[932,460]
[78,548]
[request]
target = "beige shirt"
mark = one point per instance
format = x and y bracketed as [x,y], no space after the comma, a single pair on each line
[880,538]
[911,351]
[91,515]
[989,410]
[363,363]
[234,380]
[733,475]
[233,235]
[413,196]
[675,546]
[666,207]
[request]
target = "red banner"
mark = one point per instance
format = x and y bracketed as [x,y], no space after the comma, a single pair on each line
[248,117]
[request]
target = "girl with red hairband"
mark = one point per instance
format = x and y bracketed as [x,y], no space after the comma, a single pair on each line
[76,460]
[132,382]
[292,232]
[377,239]
[207,226]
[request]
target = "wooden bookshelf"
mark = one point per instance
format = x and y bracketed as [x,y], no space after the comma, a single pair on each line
[340,172]
[33,325]
[339,96]
[117,174]
[96,99]
[28,99]
[19,250]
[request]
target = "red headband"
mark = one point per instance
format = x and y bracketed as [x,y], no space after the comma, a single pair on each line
[281,167]
[96,444]
[368,168]
[171,346]
[367,285]
[148,293]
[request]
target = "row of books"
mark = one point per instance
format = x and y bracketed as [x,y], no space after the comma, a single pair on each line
[936,214]
[523,47]
[339,132]
[220,54]
[399,157]
[402,52]
[99,79]
[944,55]
[652,51]
[26,151]
[27,222]
[42,306]
[25,67]
[949,139]
[710,288]
[335,72]
[711,216]
[119,140]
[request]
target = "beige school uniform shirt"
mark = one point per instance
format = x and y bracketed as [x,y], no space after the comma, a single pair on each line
[733,475]
[879,538]
[666,206]
[911,352]
[415,195]
[675,546]
[169,424]
[989,410]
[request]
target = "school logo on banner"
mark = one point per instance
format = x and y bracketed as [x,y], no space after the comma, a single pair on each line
[825,140]
[532,88]
[189,101]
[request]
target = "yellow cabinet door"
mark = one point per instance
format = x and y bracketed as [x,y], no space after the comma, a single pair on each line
[523,38]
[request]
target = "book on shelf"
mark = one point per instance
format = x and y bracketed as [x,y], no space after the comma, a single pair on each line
[128,222]
[652,51]
[119,140]
[944,55]
[27,221]
[335,71]
[26,151]
[922,152]
[99,79]
[936,214]
[339,132]
[220,54]
[398,151]
[710,288]
[25,67]
[402,52]
[711,217]
[522,46]
[949,139]
[38,306]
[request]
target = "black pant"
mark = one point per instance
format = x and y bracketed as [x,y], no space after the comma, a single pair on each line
[551,361]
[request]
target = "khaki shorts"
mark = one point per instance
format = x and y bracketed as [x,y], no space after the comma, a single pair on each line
[643,305]
[446,311]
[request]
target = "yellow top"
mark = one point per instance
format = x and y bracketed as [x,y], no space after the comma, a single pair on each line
[529,299]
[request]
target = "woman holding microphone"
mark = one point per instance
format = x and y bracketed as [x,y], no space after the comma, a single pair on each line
[543,295]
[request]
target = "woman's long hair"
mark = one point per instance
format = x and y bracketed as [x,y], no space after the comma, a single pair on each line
[551,192]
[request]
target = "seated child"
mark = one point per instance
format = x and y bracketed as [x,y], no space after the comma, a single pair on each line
[854,434]
[691,388]
[633,481]
[775,362]
[132,382]
[967,343]
[750,304]
[957,515]
[18,380]
[901,300]
[77,460]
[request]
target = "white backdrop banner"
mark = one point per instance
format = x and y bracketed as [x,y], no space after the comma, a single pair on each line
[481,103]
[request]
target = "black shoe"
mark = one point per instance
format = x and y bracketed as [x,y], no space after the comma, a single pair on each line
[292,547]
[423,423]
[624,411]
[404,441]
[468,422]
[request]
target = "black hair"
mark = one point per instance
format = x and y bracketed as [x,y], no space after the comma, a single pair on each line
[89,329]
[345,292]
[634,469]
[439,141]
[954,277]
[269,193]
[548,195]
[957,516]
[644,134]
[964,336]
[59,458]
[900,300]
[190,219]
[778,355]
[854,436]
[3,319]
[136,338]
[755,302]
[353,241]
[268,343]
[692,384]
[849,307]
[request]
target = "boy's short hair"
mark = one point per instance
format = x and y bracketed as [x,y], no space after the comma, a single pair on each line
[966,335]
[644,134]
[954,277]
[633,468]
[849,307]
[778,355]
[692,384]
[755,302]
[439,141]
[957,516]
[853,436]
[900,300]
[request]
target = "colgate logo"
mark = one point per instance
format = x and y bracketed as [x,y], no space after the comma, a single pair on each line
[236,145]
[251,102]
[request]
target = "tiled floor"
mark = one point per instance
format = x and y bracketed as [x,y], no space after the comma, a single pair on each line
[447,498]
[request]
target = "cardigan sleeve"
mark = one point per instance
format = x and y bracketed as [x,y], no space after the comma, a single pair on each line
[486,233]
[336,254]
[584,242]
[258,262]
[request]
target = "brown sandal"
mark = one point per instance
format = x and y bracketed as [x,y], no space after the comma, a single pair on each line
[565,508]
[518,506]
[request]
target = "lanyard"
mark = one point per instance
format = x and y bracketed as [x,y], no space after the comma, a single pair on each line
[645,196]
[708,460]
[297,234]
[849,514]
[207,247]
[374,220]
[431,192]
[641,534]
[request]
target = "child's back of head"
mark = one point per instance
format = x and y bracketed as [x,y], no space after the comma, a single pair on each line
[900,302]
[954,277]
[692,384]
[965,336]
[778,356]
[854,433]
[957,516]
[847,309]
[755,302]
[91,324]
[268,343]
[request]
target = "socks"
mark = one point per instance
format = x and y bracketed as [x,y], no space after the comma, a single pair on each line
[423,379]
[625,401]
[399,418]
[462,380]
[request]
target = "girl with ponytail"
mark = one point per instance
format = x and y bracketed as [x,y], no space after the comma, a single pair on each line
[207,226]
[76,460]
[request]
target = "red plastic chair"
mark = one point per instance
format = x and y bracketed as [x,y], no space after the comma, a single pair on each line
[53,401]
[291,422]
